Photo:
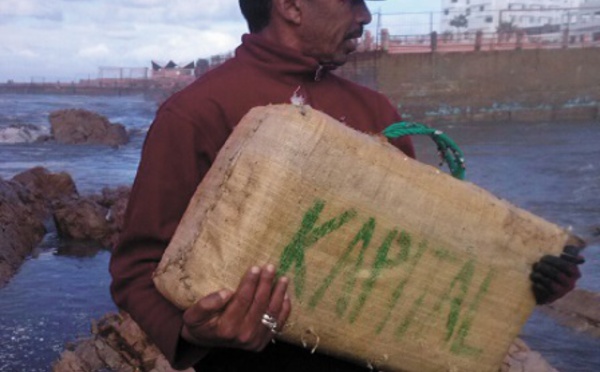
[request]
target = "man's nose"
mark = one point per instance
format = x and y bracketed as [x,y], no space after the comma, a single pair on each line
[363,15]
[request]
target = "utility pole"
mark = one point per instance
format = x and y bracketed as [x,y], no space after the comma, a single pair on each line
[378,30]
[430,23]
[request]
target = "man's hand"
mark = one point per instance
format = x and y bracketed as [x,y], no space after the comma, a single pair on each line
[553,277]
[225,319]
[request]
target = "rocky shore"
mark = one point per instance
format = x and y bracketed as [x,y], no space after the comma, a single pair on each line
[116,342]
[76,126]
[68,127]
[37,201]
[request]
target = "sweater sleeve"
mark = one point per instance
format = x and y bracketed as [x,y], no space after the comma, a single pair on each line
[175,157]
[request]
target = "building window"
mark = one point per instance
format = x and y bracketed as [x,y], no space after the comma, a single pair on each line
[489,19]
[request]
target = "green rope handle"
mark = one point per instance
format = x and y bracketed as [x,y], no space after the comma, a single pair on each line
[447,148]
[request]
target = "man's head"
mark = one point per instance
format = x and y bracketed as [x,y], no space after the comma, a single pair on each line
[257,13]
[324,29]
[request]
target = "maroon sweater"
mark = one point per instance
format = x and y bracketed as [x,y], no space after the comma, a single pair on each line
[186,135]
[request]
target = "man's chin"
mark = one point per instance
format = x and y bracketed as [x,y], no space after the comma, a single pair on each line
[332,65]
[336,61]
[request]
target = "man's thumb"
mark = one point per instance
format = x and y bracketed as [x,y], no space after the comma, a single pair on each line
[215,301]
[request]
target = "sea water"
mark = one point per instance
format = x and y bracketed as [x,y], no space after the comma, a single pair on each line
[550,169]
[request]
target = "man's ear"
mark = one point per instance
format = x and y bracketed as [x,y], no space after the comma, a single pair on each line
[288,10]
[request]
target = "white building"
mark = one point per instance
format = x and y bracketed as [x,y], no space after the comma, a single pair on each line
[532,16]
[585,26]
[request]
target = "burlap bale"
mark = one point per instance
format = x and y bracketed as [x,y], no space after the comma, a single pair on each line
[393,263]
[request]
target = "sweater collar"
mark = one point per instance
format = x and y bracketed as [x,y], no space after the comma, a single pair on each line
[288,63]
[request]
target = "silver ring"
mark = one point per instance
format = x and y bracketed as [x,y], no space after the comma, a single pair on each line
[270,322]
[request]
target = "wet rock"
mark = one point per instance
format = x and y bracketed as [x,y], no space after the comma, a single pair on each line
[78,248]
[116,201]
[36,201]
[579,309]
[77,126]
[50,185]
[81,219]
[20,228]
[521,358]
[116,344]
[98,217]
[46,188]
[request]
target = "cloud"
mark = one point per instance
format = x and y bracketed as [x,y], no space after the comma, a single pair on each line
[199,13]
[65,38]
[94,52]
[192,13]
[182,47]
[26,53]
[39,9]
[143,3]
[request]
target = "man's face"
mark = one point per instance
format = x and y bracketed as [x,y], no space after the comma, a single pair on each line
[330,29]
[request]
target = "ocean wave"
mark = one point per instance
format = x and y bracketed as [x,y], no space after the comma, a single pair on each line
[22,133]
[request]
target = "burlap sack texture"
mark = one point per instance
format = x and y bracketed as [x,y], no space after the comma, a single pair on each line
[393,263]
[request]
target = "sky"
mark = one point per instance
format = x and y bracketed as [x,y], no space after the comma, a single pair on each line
[68,40]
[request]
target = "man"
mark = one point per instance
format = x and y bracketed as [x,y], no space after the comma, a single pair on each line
[292,48]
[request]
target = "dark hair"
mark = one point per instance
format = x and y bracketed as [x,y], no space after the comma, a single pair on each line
[257,13]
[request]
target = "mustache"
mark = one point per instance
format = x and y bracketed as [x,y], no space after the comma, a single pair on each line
[355,34]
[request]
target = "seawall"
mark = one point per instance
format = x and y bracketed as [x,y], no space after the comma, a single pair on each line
[516,85]
[513,85]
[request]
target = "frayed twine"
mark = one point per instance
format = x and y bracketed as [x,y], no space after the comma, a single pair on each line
[310,331]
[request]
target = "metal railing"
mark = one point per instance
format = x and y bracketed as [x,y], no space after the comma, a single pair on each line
[479,41]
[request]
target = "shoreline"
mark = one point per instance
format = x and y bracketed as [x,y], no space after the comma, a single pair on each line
[428,114]
[36,202]
[521,357]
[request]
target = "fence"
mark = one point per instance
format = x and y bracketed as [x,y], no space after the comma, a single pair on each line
[480,41]
[477,27]
[466,29]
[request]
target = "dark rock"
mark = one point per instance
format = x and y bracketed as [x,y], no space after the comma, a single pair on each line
[116,344]
[20,228]
[78,248]
[81,219]
[76,126]
[579,309]
[99,217]
[116,200]
[36,200]
[44,189]
[50,185]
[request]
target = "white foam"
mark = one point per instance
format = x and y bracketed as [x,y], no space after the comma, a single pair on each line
[22,133]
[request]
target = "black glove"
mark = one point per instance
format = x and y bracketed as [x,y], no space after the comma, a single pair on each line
[553,277]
